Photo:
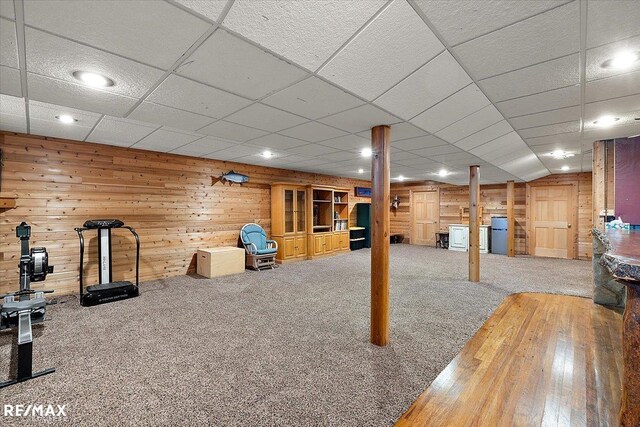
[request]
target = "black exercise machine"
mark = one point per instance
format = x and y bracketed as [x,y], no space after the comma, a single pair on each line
[19,309]
[106,290]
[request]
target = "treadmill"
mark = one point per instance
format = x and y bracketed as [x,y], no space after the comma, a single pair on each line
[106,290]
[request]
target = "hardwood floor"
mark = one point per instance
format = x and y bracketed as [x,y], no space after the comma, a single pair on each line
[538,360]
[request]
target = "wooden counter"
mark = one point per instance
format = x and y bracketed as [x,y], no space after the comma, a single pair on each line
[623,260]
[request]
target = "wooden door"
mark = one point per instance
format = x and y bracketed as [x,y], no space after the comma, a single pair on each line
[289,247]
[344,241]
[301,246]
[552,212]
[425,217]
[318,244]
[458,237]
[328,243]
[335,241]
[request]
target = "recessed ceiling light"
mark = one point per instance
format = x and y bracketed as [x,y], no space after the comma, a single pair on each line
[559,154]
[565,168]
[622,60]
[93,79]
[443,172]
[606,121]
[66,119]
[267,154]
[360,170]
[366,152]
[401,178]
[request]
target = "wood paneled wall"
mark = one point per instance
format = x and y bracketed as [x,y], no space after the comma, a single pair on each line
[493,200]
[168,199]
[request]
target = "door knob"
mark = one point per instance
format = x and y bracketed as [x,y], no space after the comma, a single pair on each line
[568,225]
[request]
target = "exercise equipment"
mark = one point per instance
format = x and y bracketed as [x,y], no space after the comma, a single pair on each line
[21,310]
[106,290]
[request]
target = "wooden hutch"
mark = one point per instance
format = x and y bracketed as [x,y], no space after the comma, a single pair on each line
[309,221]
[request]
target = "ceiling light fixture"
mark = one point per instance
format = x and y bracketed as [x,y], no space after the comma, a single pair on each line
[560,155]
[443,172]
[93,79]
[622,60]
[66,119]
[267,154]
[360,170]
[401,178]
[564,168]
[606,121]
[366,152]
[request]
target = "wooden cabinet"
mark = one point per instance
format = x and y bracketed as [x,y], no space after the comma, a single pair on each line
[459,238]
[309,221]
[289,220]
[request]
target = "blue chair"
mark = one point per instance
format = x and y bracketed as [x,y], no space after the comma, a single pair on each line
[261,252]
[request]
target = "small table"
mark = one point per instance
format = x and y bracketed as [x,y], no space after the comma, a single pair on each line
[442,239]
[220,261]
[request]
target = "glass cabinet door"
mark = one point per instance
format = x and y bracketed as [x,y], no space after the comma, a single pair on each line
[288,211]
[301,217]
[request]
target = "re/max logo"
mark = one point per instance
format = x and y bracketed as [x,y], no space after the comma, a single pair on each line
[32,410]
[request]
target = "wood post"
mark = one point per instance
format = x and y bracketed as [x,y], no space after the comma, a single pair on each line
[380,180]
[474,224]
[511,219]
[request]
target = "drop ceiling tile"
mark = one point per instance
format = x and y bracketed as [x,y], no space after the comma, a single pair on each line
[8,44]
[400,36]
[613,87]
[428,141]
[267,118]
[313,98]
[549,75]
[360,119]
[617,106]
[313,132]
[543,151]
[226,62]
[554,129]
[185,94]
[312,150]
[397,154]
[353,143]
[527,167]
[232,153]
[73,95]
[203,146]
[439,78]
[278,142]
[505,143]
[210,9]
[166,140]
[10,83]
[232,131]
[162,32]
[6,9]
[551,100]
[320,28]
[475,122]
[492,132]
[459,105]
[338,156]
[458,22]
[42,121]
[597,56]
[415,161]
[56,57]
[546,118]
[609,21]
[624,130]
[121,132]
[13,116]
[563,141]
[543,37]
[167,116]
[399,131]
[502,157]
[436,151]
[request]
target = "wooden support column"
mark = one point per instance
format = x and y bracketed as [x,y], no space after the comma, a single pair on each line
[511,219]
[474,224]
[380,180]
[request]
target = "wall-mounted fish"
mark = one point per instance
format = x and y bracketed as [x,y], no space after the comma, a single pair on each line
[232,178]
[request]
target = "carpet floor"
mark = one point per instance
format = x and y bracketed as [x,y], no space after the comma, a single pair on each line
[282,347]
